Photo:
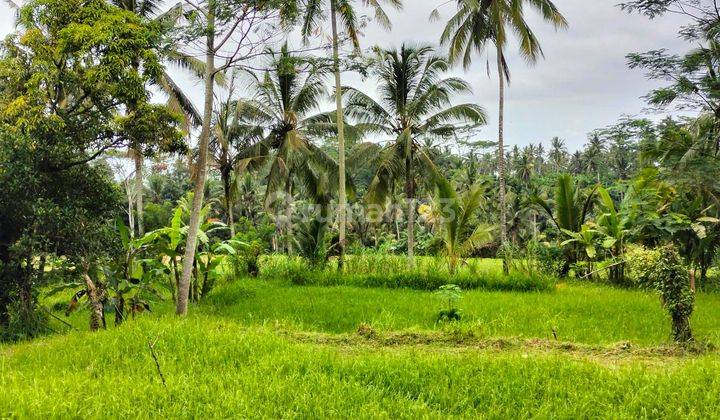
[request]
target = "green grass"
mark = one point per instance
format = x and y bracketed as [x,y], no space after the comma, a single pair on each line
[578,312]
[390,271]
[259,348]
[218,368]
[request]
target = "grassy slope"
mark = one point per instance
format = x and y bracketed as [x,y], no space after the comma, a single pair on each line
[239,354]
[579,313]
[217,368]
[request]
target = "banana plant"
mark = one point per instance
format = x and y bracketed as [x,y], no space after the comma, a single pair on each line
[613,225]
[586,240]
[168,244]
[130,279]
[460,236]
[568,212]
[127,283]
[211,262]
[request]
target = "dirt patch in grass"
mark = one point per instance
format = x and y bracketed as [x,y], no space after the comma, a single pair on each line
[613,354]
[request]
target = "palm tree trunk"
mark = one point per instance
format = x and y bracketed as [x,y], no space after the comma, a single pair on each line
[176,281]
[410,196]
[342,196]
[288,217]
[226,178]
[139,207]
[131,212]
[190,247]
[692,279]
[501,153]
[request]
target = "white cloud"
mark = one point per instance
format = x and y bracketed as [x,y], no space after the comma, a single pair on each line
[582,84]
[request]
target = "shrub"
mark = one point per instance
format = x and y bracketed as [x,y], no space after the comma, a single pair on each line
[450,295]
[245,261]
[641,264]
[672,281]
[662,270]
[24,324]
[550,258]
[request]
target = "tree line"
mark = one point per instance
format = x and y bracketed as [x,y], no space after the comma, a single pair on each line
[77,80]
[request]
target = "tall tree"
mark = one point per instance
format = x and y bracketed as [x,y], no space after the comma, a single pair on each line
[226,33]
[149,10]
[478,23]
[67,118]
[344,10]
[230,135]
[594,155]
[416,103]
[287,99]
[558,154]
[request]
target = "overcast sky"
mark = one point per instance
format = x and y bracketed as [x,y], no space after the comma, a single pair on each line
[582,84]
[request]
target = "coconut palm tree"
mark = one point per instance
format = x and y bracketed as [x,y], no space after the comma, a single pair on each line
[478,23]
[343,9]
[594,155]
[230,135]
[415,104]
[287,95]
[576,163]
[558,154]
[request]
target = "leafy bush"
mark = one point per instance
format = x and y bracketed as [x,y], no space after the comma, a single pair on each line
[23,324]
[662,270]
[550,258]
[245,261]
[641,263]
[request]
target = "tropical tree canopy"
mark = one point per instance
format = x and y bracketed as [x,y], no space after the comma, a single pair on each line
[415,103]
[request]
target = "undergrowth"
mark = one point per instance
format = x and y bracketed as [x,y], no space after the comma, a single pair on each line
[393,272]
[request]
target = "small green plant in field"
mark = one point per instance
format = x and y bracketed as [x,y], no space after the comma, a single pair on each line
[450,295]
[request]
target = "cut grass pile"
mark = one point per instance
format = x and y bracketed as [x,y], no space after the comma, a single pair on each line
[216,368]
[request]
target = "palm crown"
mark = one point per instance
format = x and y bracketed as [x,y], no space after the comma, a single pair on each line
[415,103]
[479,22]
[287,97]
[348,17]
